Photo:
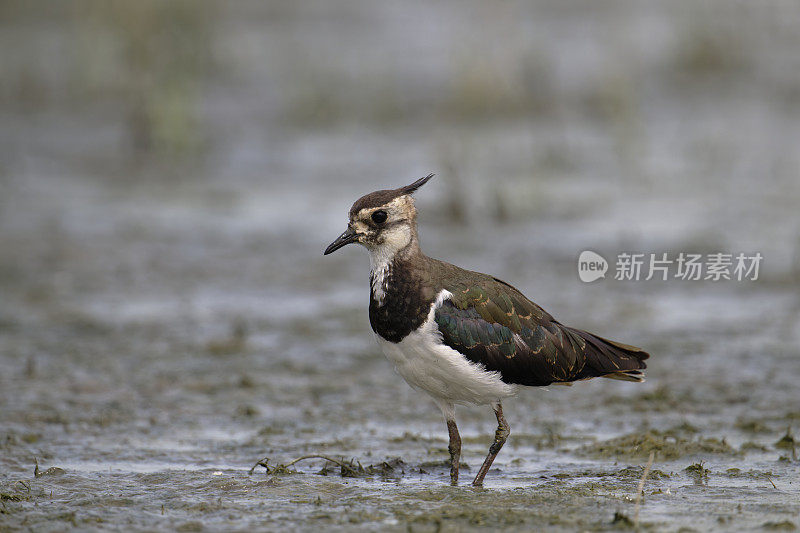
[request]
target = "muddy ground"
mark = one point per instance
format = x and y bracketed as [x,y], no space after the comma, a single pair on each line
[167,319]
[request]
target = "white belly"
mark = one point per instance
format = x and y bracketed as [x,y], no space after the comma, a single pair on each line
[428,365]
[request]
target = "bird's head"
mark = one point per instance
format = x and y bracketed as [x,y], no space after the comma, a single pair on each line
[382,221]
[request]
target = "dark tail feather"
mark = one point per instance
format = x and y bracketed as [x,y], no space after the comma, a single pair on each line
[628,375]
[610,359]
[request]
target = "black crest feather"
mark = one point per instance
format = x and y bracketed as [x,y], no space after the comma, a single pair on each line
[411,189]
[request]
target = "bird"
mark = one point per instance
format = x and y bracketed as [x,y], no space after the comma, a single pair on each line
[464,337]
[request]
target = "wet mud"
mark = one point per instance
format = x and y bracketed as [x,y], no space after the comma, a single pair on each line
[172,340]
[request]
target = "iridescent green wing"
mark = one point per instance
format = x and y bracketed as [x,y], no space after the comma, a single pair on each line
[493,324]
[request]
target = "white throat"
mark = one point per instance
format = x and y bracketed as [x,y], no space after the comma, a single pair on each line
[381,257]
[379,274]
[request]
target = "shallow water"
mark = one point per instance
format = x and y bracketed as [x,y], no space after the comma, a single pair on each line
[167,320]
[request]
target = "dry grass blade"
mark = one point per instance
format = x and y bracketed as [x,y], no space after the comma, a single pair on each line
[347,469]
[317,456]
[640,489]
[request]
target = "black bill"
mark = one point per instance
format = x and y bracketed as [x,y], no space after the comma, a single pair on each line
[345,238]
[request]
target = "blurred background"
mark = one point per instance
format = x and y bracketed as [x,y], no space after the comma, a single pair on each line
[170,173]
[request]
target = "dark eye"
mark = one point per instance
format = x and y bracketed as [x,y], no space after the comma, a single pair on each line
[379,217]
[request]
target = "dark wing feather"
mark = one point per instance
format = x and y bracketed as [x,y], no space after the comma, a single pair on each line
[493,324]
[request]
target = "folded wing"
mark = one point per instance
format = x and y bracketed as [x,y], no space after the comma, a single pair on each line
[493,324]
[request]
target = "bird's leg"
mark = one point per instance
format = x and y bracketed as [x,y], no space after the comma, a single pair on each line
[455,449]
[500,437]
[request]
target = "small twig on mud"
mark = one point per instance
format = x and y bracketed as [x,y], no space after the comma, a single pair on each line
[771,482]
[640,490]
[315,456]
[263,462]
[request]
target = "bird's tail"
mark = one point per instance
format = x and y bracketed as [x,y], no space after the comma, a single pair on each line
[611,359]
[629,375]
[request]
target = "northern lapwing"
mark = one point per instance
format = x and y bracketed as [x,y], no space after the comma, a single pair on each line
[465,337]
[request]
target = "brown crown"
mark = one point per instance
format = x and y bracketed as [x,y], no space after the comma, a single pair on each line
[379,198]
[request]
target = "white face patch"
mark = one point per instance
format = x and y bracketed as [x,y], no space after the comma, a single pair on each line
[400,209]
[381,256]
[385,241]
